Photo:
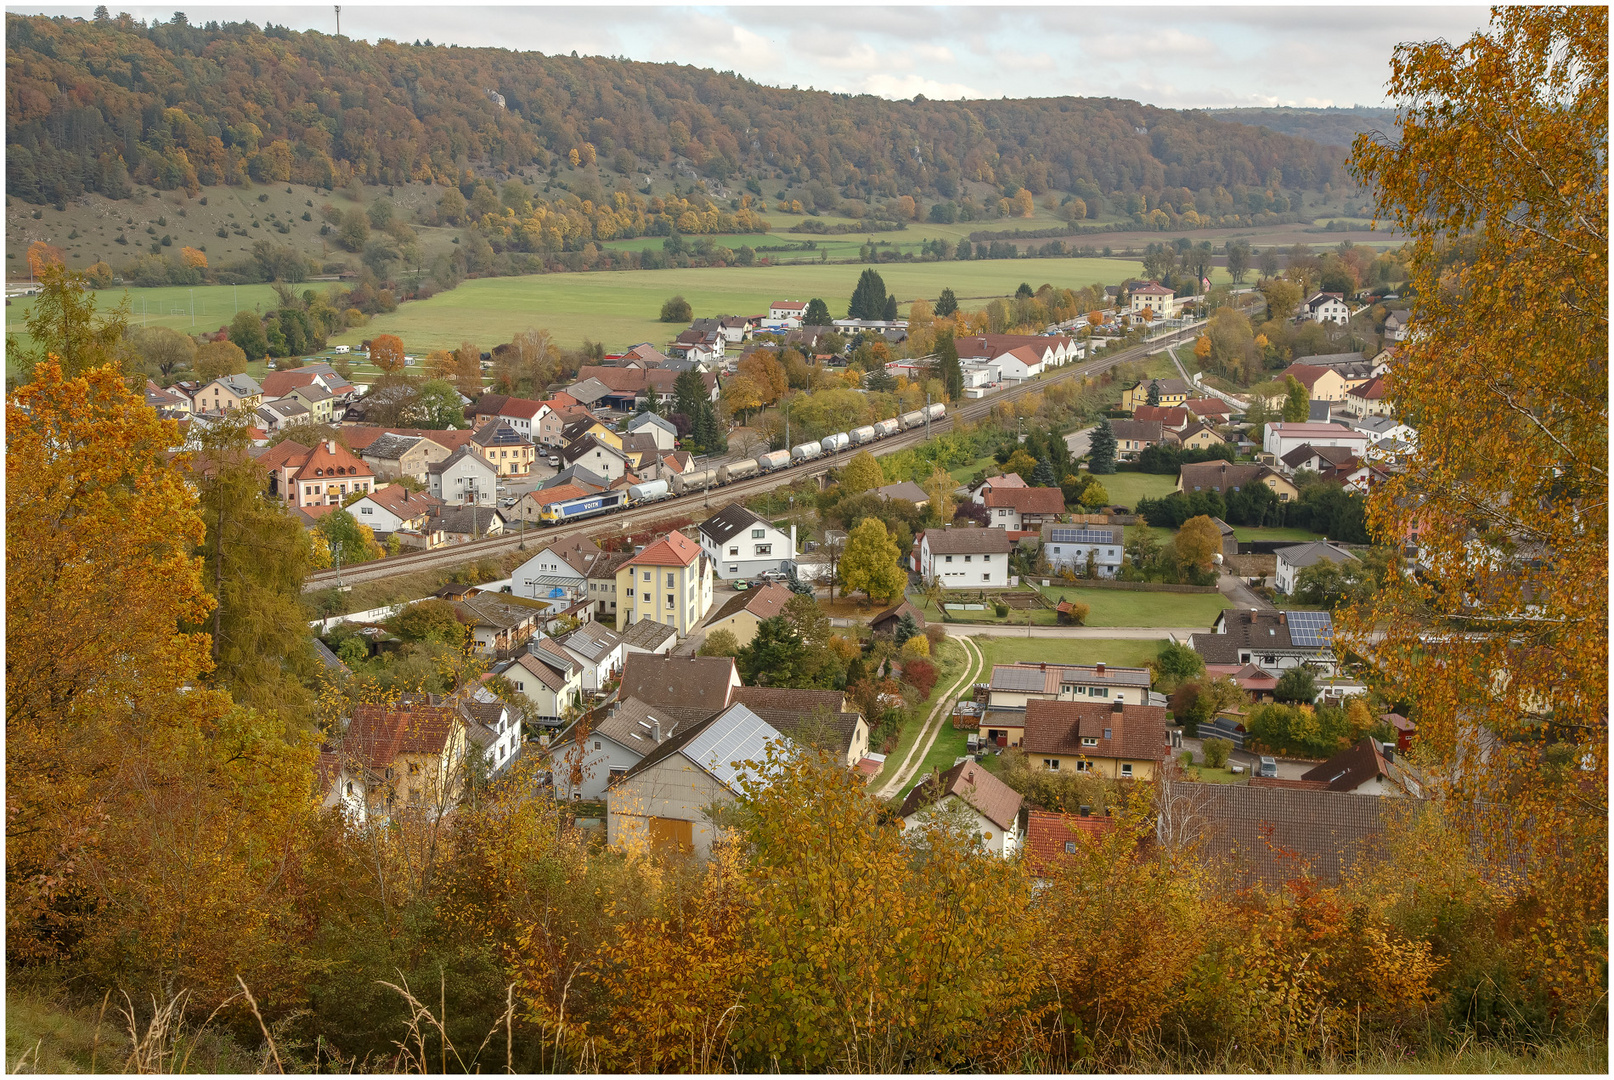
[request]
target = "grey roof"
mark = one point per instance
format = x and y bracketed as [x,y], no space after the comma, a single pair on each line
[1081,534]
[1314,552]
[440,467]
[577,449]
[905,489]
[685,682]
[1264,631]
[1376,425]
[729,522]
[648,418]
[1151,431]
[240,385]
[647,634]
[725,746]
[575,474]
[633,724]
[312,391]
[391,447]
[591,640]
[332,662]
[1319,412]
[469,519]
[1016,678]
[1332,360]
[968,541]
[589,390]
[1270,835]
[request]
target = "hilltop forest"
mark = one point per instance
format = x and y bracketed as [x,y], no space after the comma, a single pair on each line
[105,104]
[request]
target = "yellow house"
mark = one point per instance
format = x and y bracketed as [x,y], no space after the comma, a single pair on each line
[1200,437]
[393,759]
[587,425]
[1116,741]
[227,394]
[669,582]
[745,610]
[1223,477]
[1172,392]
[507,450]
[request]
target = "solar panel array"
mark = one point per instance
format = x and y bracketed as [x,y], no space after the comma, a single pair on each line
[738,735]
[1083,536]
[1014,677]
[1310,629]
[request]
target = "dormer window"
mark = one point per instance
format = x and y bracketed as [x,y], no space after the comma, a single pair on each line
[319,472]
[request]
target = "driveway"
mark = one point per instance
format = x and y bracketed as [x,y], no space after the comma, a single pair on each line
[1077,441]
[1241,595]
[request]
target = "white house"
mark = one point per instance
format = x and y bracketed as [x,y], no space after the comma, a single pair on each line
[600,458]
[1018,364]
[1327,307]
[991,807]
[1068,546]
[1397,325]
[525,416]
[599,649]
[1282,437]
[743,545]
[391,508]
[787,312]
[1292,560]
[547,677]
[593,754]
[964,558]
[491,726]
[996,483]
[1152,297]
[659,429]
[662,801]
[463,478]
[559,573]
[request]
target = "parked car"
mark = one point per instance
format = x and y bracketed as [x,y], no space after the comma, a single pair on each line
[1268,767]
[770,575]
[554,460]
[740,585]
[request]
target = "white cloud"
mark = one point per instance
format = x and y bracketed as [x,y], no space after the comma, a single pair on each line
[906,86]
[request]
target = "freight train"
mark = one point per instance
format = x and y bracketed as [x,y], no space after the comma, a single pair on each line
[605,502]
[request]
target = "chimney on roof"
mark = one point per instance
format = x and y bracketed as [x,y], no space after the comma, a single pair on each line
[1042,667]
[655,730]
[330,444]
[1117,707]
[1283,619]
[1099,667]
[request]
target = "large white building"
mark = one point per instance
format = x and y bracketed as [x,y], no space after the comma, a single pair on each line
[1068,546]
[1283,437]
[964,558]
[743,545]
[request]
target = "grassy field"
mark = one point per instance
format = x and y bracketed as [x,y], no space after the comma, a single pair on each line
[1118,652]
[1118,607]
[950,745]
[621,308]
[1248,535]
[950,661]
[1126,488]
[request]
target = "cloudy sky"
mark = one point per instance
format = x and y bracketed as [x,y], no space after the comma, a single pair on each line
[1175,57]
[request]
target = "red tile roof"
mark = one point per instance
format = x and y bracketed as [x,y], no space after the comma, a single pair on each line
[328,459]
[1028,500]
[674,549]
[377,735]
[1306,374]
[979,789]
[399,500]
[1051,837]
[1171,416]
[1136,732]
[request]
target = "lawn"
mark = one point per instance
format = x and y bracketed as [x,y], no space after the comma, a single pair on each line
[1206,775]
[963,473]
[951,659]
[950,745]
[1126,488]
[1120,607]
[620,308]
[1247,535]
[1118,652]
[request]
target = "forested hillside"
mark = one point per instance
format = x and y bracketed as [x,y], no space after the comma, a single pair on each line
[1331,127]
[104,104]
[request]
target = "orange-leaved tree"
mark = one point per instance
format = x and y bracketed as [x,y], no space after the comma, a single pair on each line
[387,353]
[1498,640]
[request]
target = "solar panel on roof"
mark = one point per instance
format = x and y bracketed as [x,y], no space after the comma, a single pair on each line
[737,736]
[1082,536]
[1012,677]
[1310,629]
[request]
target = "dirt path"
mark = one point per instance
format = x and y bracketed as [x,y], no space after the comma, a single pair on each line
[974,660]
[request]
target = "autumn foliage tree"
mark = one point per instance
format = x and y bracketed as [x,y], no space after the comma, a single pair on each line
[1499,174]
[387,353]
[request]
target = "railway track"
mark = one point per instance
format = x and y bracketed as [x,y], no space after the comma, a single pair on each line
[626,520]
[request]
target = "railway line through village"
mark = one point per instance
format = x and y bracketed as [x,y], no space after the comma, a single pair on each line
[626,520]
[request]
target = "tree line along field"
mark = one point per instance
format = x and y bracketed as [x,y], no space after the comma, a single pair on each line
[621,308]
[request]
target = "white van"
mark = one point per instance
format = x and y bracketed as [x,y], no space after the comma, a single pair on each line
[343,348]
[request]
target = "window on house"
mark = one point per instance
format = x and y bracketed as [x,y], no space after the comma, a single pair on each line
[670,603]
[1084,766]
[669,581]
[764,549]
[1089,741]
[1099,691]
[647,575]
[949,558]
[1107,733]
[967,558]
[1051,764]
[596,744]
[734,549]
[1126,768]
[758,534]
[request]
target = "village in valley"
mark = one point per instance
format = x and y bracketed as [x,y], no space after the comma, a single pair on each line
[882,616]
[527,560]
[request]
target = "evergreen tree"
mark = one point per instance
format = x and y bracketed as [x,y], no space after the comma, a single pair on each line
[907,627]
[889,314]
[947,305]
[964,249]
[689,390]
[651,402]
[817,313]
[1043,475]
[1101,449]
[868,299]
[952,372]
[1024,292]
[1154,391]
[774,656]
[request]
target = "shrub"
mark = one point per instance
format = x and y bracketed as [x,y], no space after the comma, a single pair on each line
[916,647]
[676,310]
[920,674]
[935,634]
[1216,752]
[1000,609]
[720,642]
